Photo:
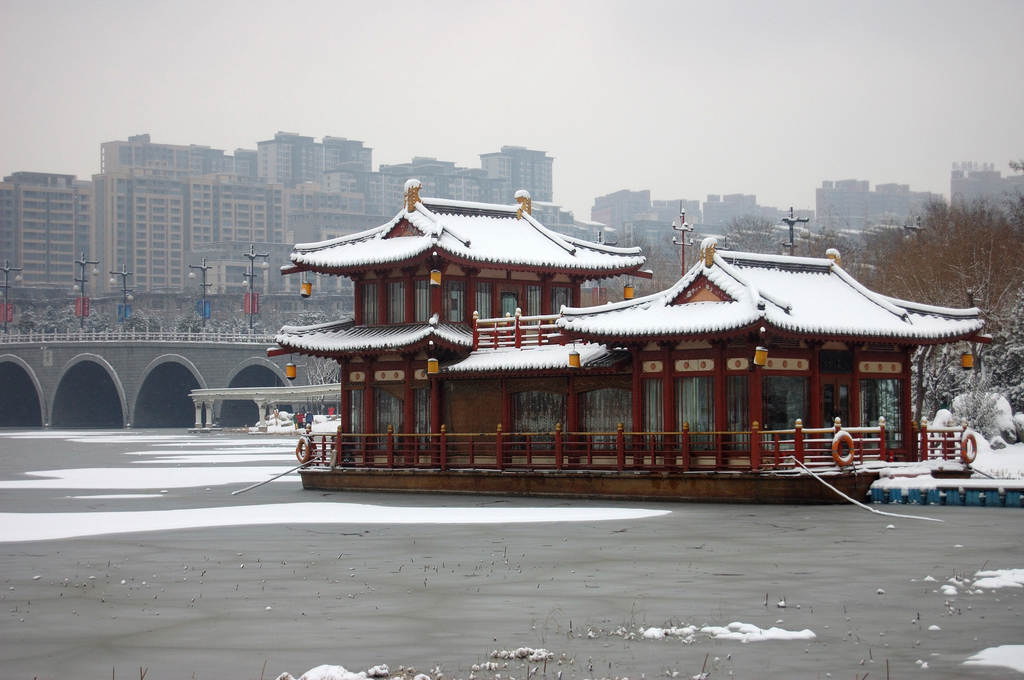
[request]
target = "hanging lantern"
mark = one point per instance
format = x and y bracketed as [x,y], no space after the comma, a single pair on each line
[574,359]
[289,371]
[761,356]
[435,277]
[432,366]
[967,360]
[627,292]
[306,290]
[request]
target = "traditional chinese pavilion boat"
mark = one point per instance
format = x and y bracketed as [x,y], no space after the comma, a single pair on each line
[471,367]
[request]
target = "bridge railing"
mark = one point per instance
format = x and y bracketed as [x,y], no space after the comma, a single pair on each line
[134,336]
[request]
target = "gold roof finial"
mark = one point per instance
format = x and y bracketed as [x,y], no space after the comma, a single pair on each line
[707,250]
[833,255]
[412,194]
[525,203]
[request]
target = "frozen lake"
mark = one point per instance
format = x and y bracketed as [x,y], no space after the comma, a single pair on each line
[129,551]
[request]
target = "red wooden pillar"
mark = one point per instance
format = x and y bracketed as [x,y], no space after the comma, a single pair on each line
[382,298]
[343,399]
[756,402]
[755,447]
[620,449]
[798,441]
[368,419]
[721,410]
[410,297]
[499,453]
[506,406]
[545,294]
[436,304]
[814,416]
[357,302]
[471,275]
[558,446]
[436,416]
[907,407]
[855,389]
[668,398]
[575,287]
[637,425]
[408,406]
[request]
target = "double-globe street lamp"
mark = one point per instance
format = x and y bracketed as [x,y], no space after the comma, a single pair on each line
[205,311]
[17,279]
[252,307]
[82,308]
[126,292]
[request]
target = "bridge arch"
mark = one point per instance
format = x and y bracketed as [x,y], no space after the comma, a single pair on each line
[251,372]
[17,408]
[89,393]
[161,399]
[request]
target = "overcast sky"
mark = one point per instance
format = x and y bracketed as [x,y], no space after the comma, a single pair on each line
[681,98]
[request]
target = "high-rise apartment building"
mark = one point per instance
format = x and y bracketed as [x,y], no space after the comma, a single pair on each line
[517,167]
[173,160]
[45,224]
[849,204]
[972,181]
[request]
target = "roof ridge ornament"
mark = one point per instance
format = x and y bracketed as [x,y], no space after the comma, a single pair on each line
[525,203]
[707,250]
[833,254]
[412,194]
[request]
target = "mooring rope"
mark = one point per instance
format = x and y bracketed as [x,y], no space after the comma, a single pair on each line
[856,502]
[267,481]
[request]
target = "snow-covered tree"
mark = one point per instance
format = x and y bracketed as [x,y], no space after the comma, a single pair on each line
[1005,357]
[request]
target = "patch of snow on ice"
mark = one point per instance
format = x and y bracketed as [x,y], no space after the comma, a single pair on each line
[1000,578]
[527,653]
[933,627]
[45,526]
[949,590]
[654,633]
[1005,656]
[746,632]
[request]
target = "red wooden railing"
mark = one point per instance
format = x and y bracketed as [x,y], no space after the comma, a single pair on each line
[621,451]
[940,442]
[515,331]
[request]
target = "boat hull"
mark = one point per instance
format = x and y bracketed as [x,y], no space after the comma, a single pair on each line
[743,487]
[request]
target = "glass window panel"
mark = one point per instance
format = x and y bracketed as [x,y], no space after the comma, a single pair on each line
[784,400]
[421,410]
[484,300]
[396,302]
[454,301]
[537,411]
[422,301]
[560,295]
[509,302]
[695,403]
[654,405]
[356,411]
[738,403]
[370,304]
[533,297]
[883,397]
[603,410]
[387,410]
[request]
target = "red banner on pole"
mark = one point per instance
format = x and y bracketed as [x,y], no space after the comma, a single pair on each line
[81,306]
[8,312]
[252,303]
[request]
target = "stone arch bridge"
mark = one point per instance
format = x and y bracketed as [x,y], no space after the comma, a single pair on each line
[130,379]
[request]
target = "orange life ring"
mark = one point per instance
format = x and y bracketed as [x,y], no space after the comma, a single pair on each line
[840,438]
[968,448]
[304,450]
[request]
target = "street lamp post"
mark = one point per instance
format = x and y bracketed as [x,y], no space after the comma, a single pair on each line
[792,221]
[253,307]
[82,304]
[683,228]
[17,279]
[125,291]
[192,275]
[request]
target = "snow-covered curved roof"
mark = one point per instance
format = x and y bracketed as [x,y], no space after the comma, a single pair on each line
[473,233]
[342,336]
[798,295]
[536,358]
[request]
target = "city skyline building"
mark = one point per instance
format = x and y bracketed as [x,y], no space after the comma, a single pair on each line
[45,225]
[850,204]
[971,181]
[517,167]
